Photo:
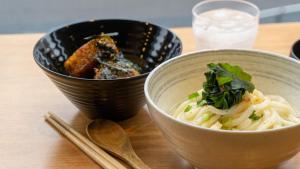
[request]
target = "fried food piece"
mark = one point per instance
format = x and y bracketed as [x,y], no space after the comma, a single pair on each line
[119,68]
[84,59]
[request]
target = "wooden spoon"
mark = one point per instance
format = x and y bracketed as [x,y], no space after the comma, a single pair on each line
[111,137]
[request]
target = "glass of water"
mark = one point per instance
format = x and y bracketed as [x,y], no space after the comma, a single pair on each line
[221,24]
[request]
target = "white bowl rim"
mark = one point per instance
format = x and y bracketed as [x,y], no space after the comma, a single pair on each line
[168,116]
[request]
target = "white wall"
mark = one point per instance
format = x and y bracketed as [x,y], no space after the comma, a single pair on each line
[41,15]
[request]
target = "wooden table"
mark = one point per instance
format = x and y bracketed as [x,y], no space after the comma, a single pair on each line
[26,94]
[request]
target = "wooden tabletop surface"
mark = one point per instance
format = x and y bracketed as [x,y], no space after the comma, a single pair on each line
[26,94]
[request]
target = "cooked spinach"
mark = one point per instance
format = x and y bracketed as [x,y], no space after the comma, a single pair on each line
[225,85]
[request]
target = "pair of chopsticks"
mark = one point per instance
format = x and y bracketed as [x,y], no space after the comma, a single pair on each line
[93,151]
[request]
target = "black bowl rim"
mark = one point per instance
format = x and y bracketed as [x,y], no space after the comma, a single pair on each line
[293,54]
[97,20]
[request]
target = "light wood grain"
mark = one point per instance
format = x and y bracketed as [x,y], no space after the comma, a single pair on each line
[111,137]
[271,37]
[26,94]
[97,154]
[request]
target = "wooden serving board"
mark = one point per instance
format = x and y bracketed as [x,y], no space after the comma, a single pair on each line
[26,94]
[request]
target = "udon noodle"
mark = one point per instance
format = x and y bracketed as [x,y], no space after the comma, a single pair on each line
[255,112]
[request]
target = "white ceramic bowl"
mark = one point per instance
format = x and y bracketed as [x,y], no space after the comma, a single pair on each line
[171,82]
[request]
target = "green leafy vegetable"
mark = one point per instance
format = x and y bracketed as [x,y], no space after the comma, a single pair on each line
[206,117]
[254,117]
[188,108]
[226,122]
[225,85]
[201,103]
[193,95]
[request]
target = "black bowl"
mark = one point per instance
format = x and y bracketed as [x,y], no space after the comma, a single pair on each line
[141,42]
[295,50]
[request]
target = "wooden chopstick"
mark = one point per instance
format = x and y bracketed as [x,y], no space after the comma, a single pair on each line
[94,152]
[86,141]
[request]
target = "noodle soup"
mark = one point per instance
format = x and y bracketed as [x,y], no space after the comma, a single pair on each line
[229,101]
[181,79]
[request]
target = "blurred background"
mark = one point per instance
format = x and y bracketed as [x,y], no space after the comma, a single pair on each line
[26,16]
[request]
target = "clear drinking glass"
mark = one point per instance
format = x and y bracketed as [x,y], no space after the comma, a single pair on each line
[219,24]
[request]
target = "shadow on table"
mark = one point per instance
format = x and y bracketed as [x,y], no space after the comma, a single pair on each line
[146,140]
